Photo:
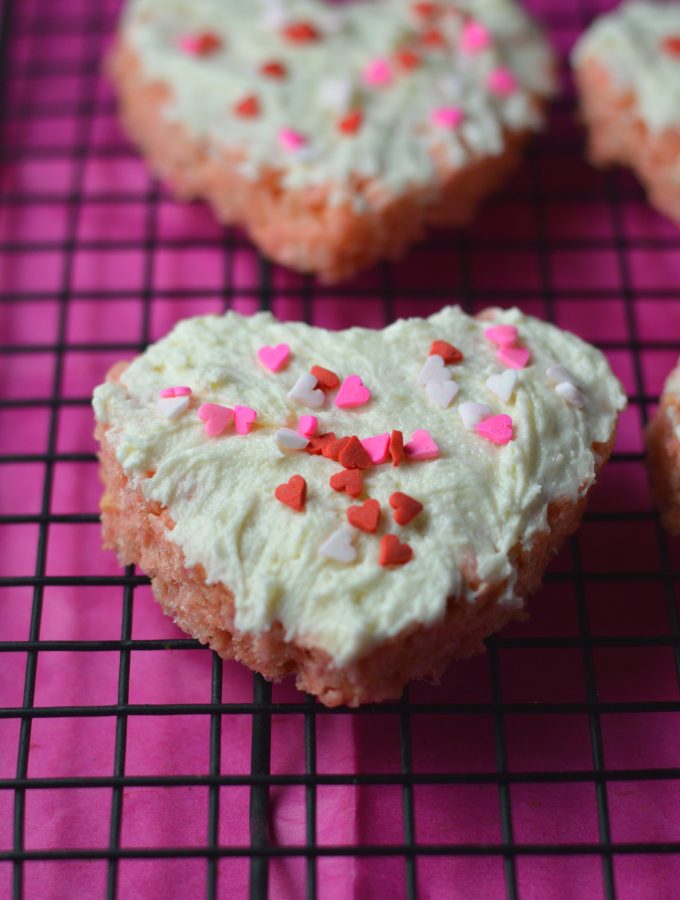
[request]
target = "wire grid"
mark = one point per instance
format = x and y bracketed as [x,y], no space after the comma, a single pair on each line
[581,250]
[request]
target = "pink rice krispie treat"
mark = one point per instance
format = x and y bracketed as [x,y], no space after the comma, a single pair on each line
[663,453]
[334,133]
[355,508]
[627,69]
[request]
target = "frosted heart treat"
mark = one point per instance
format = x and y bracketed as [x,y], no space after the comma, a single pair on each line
[367,537]
[663,453]
[627,70]
[335,133]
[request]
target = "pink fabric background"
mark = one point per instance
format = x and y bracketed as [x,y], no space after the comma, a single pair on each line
[556,244]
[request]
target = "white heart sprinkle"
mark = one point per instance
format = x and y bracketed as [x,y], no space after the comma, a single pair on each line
[339,546]
[290,440]
[503,385]
[434,370]
[473,413]
[441,392]
[571,394]
[304,391]
[335,94]
[171,407]
[557,374]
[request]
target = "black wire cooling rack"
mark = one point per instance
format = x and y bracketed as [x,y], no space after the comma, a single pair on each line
[537,245]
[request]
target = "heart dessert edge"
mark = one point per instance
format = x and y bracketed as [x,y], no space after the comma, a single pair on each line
[362,532]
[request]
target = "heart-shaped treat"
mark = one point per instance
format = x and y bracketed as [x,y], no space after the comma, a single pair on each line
[334,132]
[270,545]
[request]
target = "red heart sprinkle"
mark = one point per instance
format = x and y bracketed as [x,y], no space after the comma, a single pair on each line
[326,379]
[671,45]
[407,59]
[396,447]
[448,352]
[274,69]
[426,9]
[365,517]
[333,448]
[318,443]
[353,455]
[405,508]
[207,42]
[393,553]
[301,32]
[434,38]
[351,123]
[248,107]
[292,493]
[349,481]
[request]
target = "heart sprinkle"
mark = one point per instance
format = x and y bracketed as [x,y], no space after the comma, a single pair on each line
[426,10]
[473,413]
[318,444]
[273,69]
[274,358]
[216,418]
[407,59]
[248,108]
[178,391]
[571,394]
[514,357]
[353,455]
[396,447]
[199,44]
[501,82]
[671,45]
[448,352]
[433,370]
[293,493]
[434,39]
[339,546]
[497,429]
[503,385]
[443,393]
[172,407]
[475,37]
[328,380]
[352,122]
[244,416]
[307,425]
[502,335]
[301,33]
[348,480]
[353,392]
[291,140]
[377,448]
[366,516]
[405,508]
[288,439]
[304,391]
[557,374]
[447,116]
[421,446]
[392,552]
[333,448]
[335,94]
[378,73]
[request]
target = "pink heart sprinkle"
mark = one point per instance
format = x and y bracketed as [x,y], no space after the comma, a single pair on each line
[274,358]
[307,425]
[514,357]
[447,116]
[353,392]
[179,391]
[497,429]
[421,446]
[502,335]
[216,417]
[475,37]
[502,82]
[378,72]
[377,448]
[291,140]
[244,417]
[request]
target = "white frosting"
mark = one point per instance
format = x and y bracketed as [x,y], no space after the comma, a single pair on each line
[479,498]
[628,43]
[398,144]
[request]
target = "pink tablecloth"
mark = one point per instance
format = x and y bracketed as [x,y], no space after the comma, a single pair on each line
[92,263]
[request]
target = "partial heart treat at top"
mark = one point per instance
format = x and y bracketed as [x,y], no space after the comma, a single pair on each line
[663,453]
[392,538]
[335,133]
[627,70]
